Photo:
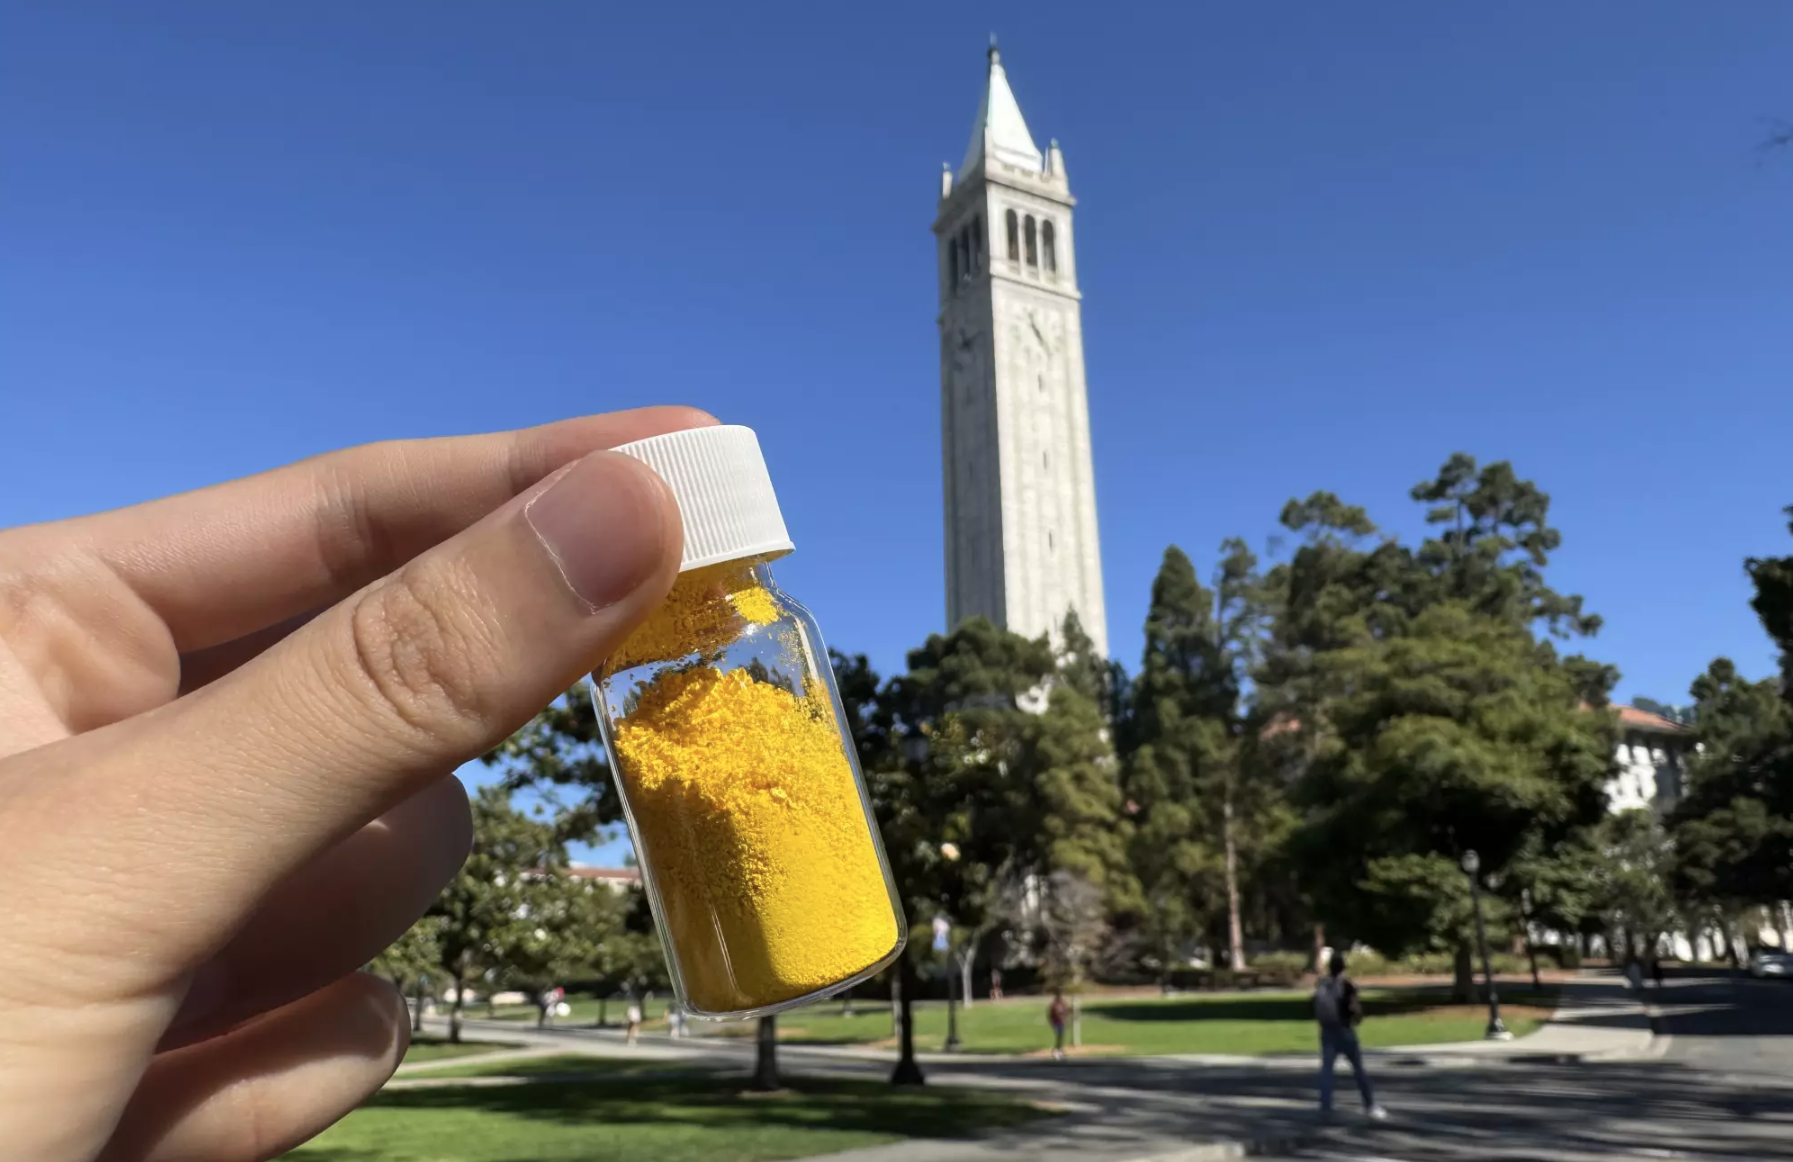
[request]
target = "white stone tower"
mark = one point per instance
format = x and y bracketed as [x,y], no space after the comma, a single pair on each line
[1021,544]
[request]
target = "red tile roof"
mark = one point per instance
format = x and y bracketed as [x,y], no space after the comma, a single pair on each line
[1635,719]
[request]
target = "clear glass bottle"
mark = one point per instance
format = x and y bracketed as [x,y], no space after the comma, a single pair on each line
[742,789]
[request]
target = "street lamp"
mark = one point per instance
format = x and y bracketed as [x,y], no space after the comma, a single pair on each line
[950,852]
[1497,1031]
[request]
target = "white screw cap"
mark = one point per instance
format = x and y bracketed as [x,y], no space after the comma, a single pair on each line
[718,475]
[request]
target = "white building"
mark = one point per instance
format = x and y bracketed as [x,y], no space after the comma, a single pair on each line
[1653,755]
[1021,545]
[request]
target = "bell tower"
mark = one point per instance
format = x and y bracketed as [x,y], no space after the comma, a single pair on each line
[1021,545]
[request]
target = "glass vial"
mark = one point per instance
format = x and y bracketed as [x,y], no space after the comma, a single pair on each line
[741,787]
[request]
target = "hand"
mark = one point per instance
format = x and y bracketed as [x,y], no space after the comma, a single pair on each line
[227,725]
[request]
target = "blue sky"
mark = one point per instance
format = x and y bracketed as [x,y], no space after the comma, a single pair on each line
[1321,246]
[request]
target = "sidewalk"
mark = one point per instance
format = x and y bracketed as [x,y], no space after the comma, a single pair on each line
[1171,1108]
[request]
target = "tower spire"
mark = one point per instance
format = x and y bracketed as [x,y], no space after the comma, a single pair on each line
[1000,130]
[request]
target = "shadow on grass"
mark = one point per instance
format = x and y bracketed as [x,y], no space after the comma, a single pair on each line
[720,1103]
[570,1066]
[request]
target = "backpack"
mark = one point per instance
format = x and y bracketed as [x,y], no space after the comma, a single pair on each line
[1336,1003]
[1326,1001]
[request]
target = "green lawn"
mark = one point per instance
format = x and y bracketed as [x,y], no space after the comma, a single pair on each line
[427,1048]
[562,1064]
[585,1011]
[651,1119]
[1255,1024]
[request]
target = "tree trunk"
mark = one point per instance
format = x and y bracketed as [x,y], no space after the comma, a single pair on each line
[1463,977]
[417,1014]
[765,1063]
[908,1070]
[967,958]
[1525,926]
[454,1015]
[603,1008]
[1235,933]
[1319,947]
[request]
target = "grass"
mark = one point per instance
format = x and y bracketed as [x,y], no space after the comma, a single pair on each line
[1257,1024]
[563,1064]
[427,1048]
[585,1011]
[620,1118]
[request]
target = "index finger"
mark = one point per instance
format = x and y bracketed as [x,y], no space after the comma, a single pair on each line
[235,558]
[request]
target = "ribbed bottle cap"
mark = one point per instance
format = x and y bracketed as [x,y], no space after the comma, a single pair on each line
[718,475]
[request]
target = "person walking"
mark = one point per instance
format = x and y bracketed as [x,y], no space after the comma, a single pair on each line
[633,1016]
[1055,1016]
[1339,1009]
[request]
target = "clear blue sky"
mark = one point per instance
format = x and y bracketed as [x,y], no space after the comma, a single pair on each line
[1322,246]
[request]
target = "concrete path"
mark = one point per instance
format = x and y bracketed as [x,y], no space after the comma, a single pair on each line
[1154,1109]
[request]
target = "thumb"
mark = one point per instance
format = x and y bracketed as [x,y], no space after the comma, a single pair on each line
[380,695]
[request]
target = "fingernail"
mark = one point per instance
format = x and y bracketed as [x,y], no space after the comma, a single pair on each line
[602,520]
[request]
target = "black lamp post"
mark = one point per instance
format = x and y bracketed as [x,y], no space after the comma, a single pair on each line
[950,853]
[1497,1031]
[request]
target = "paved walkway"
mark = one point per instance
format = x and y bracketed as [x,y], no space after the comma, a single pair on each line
[1183,1108]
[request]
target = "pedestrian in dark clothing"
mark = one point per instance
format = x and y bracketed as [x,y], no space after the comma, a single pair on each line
[1055,1016]
[1339,1009]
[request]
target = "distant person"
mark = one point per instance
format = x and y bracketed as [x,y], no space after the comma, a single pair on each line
[996,984]
[632,1015]
[1656,973]
[1056,1013]
[1339,1008]
[1634,975]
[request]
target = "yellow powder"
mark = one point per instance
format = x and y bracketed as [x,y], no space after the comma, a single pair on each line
[751,823]
[706,610]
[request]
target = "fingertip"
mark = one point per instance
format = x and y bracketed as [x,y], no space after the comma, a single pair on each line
[389,1008]
[612,527]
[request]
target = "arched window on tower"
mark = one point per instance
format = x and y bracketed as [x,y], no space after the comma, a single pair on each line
[1033,249]
[1049,246]
[1014,237]
[964,245]
[952,262]
[977,243]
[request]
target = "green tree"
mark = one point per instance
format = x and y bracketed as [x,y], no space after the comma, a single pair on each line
[486,917]
[1637,897]
[1457,735]
[1733,830]
[1430,718]
[559,757]
[410,962]
[1773,603]
[1192,774]
[1179,686]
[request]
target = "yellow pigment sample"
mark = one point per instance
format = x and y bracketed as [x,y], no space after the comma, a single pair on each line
[748,813]
[707,609]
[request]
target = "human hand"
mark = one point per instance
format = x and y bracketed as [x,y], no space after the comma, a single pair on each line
[227,725]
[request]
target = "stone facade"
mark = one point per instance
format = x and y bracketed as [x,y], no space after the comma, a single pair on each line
[1021,542]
